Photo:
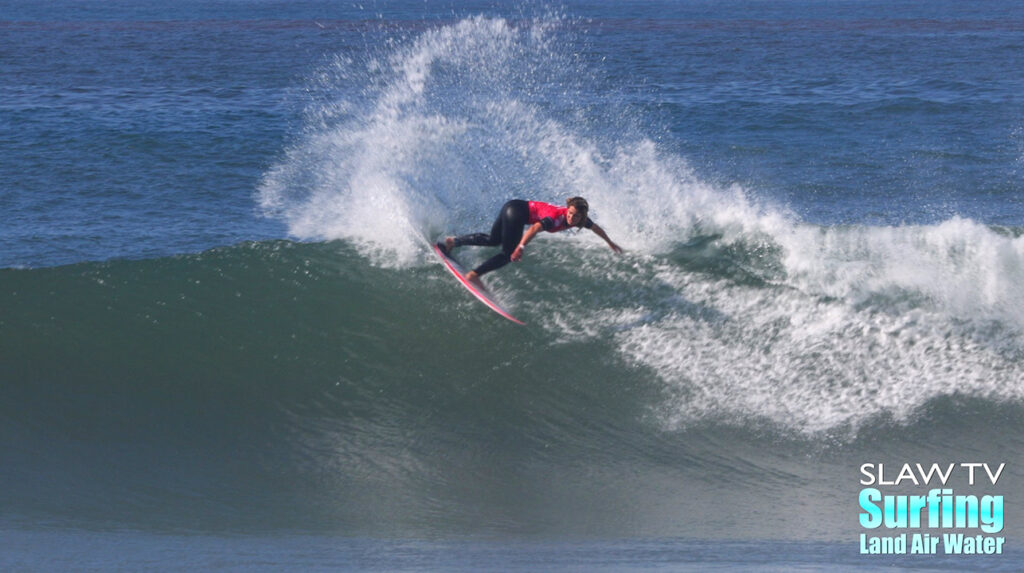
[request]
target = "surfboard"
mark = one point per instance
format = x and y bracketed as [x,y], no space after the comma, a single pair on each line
[479,292]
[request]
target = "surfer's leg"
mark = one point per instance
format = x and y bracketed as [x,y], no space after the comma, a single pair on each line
[479,239]
[482,239]
[515,215]
[492,264]
[507,231]
[473,240]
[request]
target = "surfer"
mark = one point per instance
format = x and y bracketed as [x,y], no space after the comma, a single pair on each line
[507,231]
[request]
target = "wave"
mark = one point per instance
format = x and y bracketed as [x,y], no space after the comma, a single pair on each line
[346,370]
[730,308]
[304,383]
[711,331]
[447,126]
[735,306]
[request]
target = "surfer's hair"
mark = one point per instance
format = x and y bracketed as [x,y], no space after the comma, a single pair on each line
[581,207]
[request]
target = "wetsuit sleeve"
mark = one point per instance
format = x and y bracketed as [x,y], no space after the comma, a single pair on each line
[588,223]
[547,223]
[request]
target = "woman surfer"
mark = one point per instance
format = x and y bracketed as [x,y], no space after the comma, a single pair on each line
[507,231]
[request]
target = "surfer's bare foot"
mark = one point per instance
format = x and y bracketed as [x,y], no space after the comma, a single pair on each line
[474,278]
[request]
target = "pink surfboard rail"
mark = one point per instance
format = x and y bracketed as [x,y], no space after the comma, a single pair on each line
[480,293]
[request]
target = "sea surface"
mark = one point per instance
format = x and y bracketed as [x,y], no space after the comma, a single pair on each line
[225,343]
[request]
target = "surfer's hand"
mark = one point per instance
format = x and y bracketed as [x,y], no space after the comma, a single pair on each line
[517,254]
[615,247]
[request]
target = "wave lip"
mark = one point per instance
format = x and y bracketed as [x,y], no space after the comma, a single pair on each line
[736,308]
[433,134]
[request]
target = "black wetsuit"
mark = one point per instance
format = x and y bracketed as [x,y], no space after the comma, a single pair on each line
[507,231]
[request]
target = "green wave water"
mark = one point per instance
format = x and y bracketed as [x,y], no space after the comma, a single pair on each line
[304,384]
[819,203]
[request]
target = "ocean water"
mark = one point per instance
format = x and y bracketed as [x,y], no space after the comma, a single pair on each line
[225,343]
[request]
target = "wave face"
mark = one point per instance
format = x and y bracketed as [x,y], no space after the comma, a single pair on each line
[302,385]
[738,309]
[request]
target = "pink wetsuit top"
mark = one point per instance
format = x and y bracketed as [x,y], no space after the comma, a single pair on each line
[552,217]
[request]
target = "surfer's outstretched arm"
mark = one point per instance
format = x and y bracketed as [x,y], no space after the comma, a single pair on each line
[600,233]
[527,237]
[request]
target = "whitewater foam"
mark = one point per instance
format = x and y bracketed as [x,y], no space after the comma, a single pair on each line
[829,328]
[444,129]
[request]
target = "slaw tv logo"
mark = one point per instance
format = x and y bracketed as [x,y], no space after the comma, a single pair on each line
[957,523]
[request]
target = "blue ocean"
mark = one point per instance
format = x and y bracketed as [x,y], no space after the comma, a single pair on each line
[226,344]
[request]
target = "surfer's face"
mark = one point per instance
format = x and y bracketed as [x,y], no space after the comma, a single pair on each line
[573,217]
